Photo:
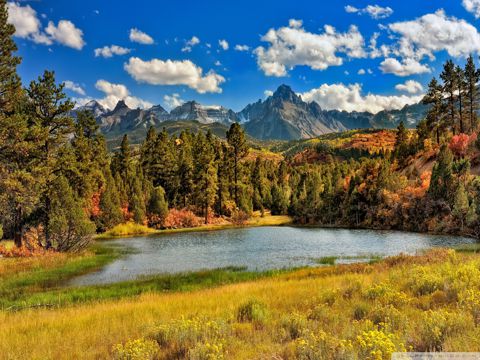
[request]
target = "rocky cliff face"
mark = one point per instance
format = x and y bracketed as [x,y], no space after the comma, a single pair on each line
[192,110]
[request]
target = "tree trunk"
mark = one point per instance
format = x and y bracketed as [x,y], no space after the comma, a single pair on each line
[48,241]
[461,113]
[206,214]
[18,228]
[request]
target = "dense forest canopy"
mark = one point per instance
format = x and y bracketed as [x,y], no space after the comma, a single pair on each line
[59,185]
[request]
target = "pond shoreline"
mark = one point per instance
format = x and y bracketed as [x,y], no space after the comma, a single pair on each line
[272,220]
[284,221]
[258,248]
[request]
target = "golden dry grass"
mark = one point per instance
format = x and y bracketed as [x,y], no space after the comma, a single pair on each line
[341,303]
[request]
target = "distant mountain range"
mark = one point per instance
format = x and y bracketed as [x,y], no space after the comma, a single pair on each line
[282,116]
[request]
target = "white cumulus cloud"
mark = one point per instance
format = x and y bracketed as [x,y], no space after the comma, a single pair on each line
[172,101]
[472,6]
[117,92]
[140,37]
[294,46]
[405,68]
[24,18]
[174,72]
[70,85]
[242,47]
[374,11]
[109,51]
[410,86]
[435,32]
[223,44]
[28,26]
[66,33]
[350,98]
[189,44]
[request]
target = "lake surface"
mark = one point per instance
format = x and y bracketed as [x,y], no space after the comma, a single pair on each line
[257,248]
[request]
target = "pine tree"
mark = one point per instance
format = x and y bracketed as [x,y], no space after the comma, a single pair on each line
[147,153]
[441,182]
[472,78]
[461,90]
[10,84]
[449,78]
[185,168]
[434,118]
[110,205]
[165,165]
[20,178]
[205,174]
[49,110]
[236,140]
[401,149]
[121,161]
[460,205]
[224,174]
[69,227]
[158,207]
[137,202]
[257,182]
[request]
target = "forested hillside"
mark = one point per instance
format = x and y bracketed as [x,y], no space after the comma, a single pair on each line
[59,185]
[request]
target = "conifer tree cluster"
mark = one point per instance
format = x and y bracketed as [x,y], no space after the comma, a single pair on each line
[454,102]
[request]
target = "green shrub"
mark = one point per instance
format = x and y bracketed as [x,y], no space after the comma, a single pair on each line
[327,260]
[360,311]
[252,311]
[294,325]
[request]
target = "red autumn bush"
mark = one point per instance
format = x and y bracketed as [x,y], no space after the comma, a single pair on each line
[459,144]
[177,219]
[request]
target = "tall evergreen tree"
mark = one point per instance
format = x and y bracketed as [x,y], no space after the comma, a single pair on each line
[185,168]
[441,182]
[236,140]
[10,84]
[434,118]
[49,110]
[461,90]
[110,204]
[205,174]
[69,226]
[449,78]
[121,161]
[472,78]
[401,142]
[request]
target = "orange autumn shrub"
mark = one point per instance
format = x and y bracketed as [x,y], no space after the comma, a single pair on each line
[184,218]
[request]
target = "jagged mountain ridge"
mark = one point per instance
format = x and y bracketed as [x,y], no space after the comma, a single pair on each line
[282,116]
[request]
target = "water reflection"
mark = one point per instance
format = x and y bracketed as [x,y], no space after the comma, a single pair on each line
[258,248]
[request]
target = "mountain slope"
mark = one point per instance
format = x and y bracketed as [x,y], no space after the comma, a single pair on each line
[282,116]
[285,116]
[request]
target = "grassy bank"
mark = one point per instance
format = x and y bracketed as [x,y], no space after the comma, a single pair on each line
[359,311]
[132,229]
[22,280]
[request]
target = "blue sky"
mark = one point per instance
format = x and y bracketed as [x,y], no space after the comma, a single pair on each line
[320,62]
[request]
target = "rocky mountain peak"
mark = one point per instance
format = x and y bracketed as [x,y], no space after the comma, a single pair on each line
[285,93]
[120,106]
